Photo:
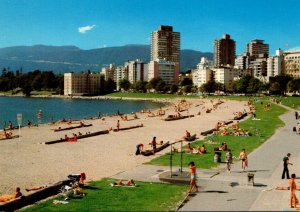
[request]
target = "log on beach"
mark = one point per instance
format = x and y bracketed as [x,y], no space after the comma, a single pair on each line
[71,128]
[79,137]
[191,138]
[23,201]
[207,132]
[150,152]
[173,118]
[128,128]
[240,116]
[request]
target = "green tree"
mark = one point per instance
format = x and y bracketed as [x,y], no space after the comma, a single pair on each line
[160,86]
[173,88]
[294,85]
[253,86]
[187,88]
[231,88]
[242,84]
[109,86]
[140,86]
[27,90]
[186,81]
[275,88]
[124,84]
[152,84]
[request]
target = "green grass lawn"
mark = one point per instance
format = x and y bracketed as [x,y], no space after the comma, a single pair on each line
[290,101]
[149,95]
[37,93]
[102,197]
[261,130]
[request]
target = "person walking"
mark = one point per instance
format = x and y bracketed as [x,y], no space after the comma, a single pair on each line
[244,159]
[285,166]
[193,182]
[228,159]
[293,187]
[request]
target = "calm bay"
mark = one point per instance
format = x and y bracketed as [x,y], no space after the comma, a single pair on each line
[54,109]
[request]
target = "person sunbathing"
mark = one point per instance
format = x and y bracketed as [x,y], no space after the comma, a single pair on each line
[7,197]
[225,132]
[236,126]
[35,188]
[130,182]
[202,149]
[223,147]
[188,148]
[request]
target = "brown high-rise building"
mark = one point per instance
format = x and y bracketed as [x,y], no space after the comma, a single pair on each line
[257,48]
[165,44]
[224,51]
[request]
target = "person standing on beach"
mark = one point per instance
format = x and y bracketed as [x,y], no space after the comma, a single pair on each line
[28,123]
[244,159]
[228,159]
[193,182]
[118,125]
[296,115]
[293,187]
[153,143]
[285,166]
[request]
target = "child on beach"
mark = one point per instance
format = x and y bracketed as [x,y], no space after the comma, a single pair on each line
[193,182]
[228,159]
[244,159]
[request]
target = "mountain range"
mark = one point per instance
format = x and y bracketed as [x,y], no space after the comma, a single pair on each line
[61,59]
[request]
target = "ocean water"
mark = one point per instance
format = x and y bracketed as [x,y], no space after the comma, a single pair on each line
[54,109]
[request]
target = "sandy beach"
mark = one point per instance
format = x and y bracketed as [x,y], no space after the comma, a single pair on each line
[31,163]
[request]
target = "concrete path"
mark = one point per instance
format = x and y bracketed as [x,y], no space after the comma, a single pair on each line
[222,191]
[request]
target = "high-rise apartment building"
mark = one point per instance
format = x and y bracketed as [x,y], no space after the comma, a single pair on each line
[165,44]
[224,51]
[257,48]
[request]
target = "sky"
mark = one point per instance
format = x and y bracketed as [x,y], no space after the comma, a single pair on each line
[90,24]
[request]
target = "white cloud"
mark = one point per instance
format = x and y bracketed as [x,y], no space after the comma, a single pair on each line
[85,28]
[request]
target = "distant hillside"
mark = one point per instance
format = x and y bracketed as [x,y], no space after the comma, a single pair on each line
[62,59]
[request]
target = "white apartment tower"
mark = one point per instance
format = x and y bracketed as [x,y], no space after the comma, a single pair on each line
[202,74]
[274,64]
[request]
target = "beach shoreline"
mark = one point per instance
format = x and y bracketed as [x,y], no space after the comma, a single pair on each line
[30,163]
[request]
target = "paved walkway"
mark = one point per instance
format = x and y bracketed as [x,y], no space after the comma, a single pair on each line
[222,191]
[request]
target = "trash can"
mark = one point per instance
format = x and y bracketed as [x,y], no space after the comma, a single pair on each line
[217,157]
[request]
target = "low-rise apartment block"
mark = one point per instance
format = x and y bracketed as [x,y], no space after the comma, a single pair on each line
[82,84]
